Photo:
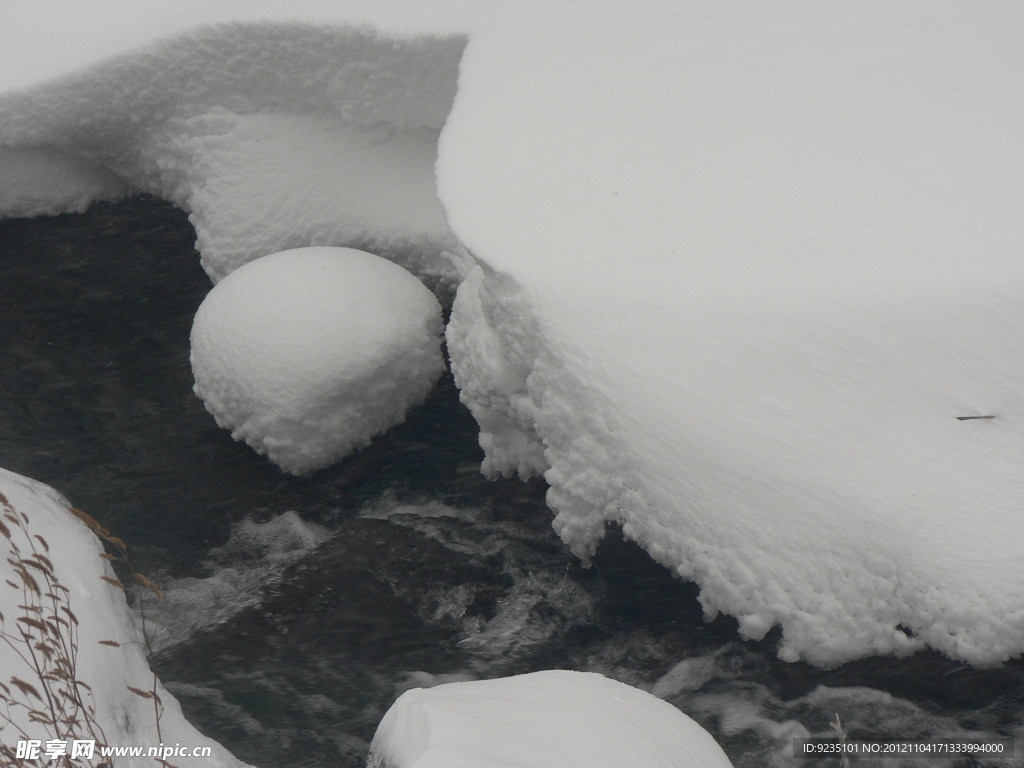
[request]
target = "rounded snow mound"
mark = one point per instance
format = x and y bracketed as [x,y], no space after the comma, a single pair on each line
[545,719]
[307,354]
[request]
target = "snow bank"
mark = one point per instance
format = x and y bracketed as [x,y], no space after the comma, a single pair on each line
[750,301]
[554,718]
[46,181]
[307,354]
[74,551]
[237,123]
[740,268]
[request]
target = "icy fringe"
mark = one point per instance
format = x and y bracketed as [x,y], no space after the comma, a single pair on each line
[234,123]
[530,411]
[537,417]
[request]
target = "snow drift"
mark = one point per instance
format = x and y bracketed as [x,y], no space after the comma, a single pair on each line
[237,124]
[37,182]
[308,354]
[99,608]
[553,718]
[740,269]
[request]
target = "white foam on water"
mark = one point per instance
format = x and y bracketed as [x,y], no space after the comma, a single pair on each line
[388,507]
[758,728]
[535,609]
[239,572]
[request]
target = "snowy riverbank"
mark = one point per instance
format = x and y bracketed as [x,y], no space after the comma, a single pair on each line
[740,270]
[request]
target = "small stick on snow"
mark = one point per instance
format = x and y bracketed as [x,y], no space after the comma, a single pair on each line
[844,761]
[968,418]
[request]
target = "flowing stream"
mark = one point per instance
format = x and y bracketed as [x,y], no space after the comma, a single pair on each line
[298,609]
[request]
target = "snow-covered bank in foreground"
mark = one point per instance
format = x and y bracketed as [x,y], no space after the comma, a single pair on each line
[552,718]
[126,719]
[743,267]
[308,354]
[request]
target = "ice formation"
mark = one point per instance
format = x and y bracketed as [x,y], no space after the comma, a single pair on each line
[307,354]
[739,268]
[540,720]
[74,551]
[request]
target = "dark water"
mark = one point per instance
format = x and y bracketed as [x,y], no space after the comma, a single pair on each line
[403,566]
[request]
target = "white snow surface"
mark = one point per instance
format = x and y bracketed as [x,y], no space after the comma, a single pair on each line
[307,354]
[271,137]
[74,550]
[740,267]
[46,181]
[540,720]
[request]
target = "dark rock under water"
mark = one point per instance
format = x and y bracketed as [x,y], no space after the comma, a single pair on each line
[427,573]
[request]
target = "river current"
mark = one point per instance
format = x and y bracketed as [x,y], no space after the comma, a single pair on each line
[298,609]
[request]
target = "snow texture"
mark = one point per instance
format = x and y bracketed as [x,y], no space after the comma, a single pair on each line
[491,363]
[307,354]
[740,268]
[540,720]
[237,124]
[43,182]
[74,550]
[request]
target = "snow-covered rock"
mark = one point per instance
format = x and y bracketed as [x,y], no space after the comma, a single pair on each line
[541,720]
[307,354]
[740,267]
[39,520]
